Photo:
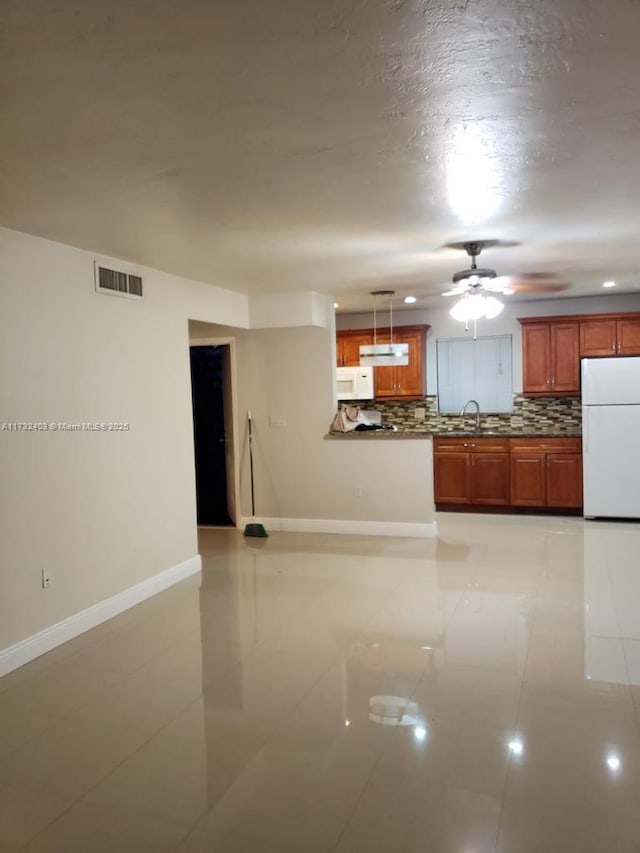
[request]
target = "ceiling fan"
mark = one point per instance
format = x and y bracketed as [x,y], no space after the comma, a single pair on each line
[476,280]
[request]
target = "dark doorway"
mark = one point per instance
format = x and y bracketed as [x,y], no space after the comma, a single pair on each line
[208,395]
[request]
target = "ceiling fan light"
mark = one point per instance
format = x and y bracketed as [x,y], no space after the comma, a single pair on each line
[470,307]
[492,307]
[474,306]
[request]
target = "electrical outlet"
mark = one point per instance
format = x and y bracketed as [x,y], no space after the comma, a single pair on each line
[357,491]
[46,578]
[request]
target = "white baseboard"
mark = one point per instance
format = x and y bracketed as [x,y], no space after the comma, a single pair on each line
[417,530]
[37,644]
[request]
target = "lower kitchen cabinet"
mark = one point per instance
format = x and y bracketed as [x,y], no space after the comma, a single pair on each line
[564,479]
[507,472]
[471,471]
[546,473]
[528,482]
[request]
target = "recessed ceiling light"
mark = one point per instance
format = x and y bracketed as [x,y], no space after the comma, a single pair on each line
[613,762]
[609,284]
[409,300]
[336,304]
[516,746]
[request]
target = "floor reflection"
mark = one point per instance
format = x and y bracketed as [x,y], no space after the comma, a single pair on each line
[334,694]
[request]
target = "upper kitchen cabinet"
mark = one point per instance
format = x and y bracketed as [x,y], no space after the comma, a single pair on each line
[550,357]
[390,382]
[348,346]
[610,335]
[408,380]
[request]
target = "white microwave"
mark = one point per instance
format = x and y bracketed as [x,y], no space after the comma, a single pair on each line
[354,383]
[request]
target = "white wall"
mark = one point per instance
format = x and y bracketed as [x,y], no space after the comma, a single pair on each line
[280,310]
[444,326]
[104,511]
[101,511]
[288,375]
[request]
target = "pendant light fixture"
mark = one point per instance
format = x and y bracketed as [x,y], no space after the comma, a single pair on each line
[381,355]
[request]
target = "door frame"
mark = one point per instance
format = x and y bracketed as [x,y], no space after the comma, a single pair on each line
[233,475]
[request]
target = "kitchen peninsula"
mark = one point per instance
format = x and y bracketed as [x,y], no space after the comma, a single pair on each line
[386,483]
[486,471]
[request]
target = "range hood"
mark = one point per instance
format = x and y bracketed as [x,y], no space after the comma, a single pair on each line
[378,355]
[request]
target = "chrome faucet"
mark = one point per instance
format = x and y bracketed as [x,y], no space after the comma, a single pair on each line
[477,405]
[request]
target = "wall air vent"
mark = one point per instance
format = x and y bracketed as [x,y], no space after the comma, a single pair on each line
[117,283]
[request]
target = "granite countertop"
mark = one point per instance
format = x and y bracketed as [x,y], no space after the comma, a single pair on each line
[513,433]
[379,434]
[405,434]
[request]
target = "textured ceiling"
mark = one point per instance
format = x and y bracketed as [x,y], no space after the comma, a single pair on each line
[331,145]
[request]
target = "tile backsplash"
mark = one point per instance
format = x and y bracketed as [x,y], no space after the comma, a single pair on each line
[543,414]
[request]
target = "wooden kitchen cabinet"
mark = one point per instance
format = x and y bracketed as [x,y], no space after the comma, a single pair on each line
[550,358]
[390,382]
[473,470]
[408,380]
[451,477]
[610,336]
[628,335]
[546,472]
[564,479]
[553,346]
[348,346]
[527,479]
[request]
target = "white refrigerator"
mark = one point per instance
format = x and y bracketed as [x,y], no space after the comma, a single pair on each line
[611,437]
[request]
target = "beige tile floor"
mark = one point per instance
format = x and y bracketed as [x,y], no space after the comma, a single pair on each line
[477,693]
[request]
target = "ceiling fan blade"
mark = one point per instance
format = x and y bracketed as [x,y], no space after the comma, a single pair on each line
[532,287]
[458,291]
[533,282]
